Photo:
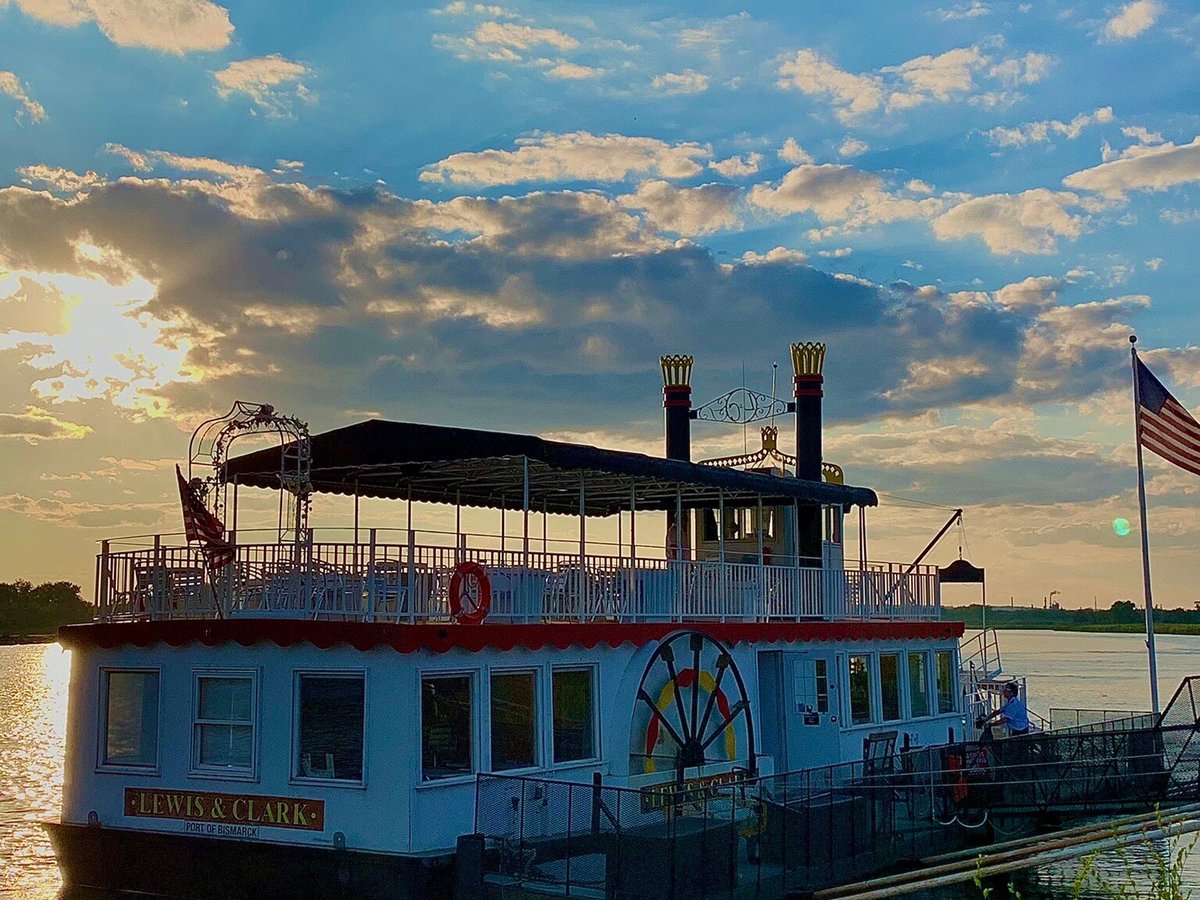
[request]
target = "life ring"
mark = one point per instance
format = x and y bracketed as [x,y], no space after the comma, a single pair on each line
[470,593]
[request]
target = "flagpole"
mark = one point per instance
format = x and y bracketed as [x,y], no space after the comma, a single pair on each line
[1137,414]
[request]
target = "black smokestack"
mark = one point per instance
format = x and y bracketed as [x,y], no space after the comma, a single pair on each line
[808,360]
[677,405]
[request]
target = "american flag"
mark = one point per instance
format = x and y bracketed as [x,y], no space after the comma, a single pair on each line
[1164,424]
[202,526]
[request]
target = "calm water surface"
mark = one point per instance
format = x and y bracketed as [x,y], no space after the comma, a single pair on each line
[1064,670]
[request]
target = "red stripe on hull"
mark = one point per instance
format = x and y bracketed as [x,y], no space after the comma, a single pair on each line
[441,638]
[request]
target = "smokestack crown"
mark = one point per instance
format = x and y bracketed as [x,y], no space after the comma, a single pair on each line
[808,359]
[676,371]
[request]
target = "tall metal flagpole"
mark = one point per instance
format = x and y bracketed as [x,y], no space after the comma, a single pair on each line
[1137,413]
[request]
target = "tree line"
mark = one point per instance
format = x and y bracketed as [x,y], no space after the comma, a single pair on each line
[1121,613]
[29,609]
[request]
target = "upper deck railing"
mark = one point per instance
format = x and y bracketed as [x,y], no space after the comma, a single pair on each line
[409,581]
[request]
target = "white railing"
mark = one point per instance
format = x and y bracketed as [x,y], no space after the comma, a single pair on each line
[409,582]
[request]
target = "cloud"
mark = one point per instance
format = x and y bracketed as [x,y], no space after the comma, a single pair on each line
[852,95]
[35,425]
[1028,222]
[972,10]
[569,71]
[1142,167]
[172,26]
[737,166]
[686,211]
[852,147]
[578,156]
[774,256]
[1132,20]
[793,153]
[836,253]
[685,82]
[840,195]
[58,179]
[522,37]
[271,82]
[148,160]
[924,79]
[11,85]
[1041,132]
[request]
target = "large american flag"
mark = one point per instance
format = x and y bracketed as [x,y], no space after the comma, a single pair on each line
[1164,425]
[203,527]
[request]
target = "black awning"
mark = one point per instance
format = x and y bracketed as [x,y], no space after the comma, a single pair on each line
[961,572]
[437,464]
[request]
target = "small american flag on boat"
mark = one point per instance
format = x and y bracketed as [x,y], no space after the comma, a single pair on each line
[202,527]
[1165,427]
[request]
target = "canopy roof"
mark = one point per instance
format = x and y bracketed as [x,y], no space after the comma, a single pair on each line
[436,464]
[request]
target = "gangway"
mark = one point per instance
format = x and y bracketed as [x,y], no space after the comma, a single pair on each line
[735,833]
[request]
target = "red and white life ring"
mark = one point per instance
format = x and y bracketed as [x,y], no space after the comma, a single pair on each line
[470,593]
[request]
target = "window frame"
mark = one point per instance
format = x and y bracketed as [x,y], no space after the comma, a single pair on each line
[475,679]
[873,702]
[597,752]
[954,688]
[930,699]
[293,764]
[196,768]
[102,722]
[539,721]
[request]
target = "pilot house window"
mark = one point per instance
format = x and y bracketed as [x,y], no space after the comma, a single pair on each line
[224,725]
[130,735]
[447,722]
[330,741]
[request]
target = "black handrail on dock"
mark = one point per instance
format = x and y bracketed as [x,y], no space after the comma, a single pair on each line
[741,834]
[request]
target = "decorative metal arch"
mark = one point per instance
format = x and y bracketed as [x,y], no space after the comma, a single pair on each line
[209,448]
[741,406]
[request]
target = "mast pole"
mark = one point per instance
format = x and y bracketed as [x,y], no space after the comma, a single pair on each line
[1137,440]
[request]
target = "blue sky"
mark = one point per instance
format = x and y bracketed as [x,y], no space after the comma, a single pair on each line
[501,214]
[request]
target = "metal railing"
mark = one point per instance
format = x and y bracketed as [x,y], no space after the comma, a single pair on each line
[409,582]
[737,834]
[1099,719]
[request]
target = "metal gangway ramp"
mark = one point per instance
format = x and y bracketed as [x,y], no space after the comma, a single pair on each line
[736,834]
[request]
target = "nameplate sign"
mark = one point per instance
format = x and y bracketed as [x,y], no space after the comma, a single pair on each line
[240,810]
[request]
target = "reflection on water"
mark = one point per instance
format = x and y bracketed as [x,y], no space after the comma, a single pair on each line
[1066,670]
[33,717]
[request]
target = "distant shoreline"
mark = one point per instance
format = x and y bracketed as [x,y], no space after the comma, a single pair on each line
[12,640]
[1159,628]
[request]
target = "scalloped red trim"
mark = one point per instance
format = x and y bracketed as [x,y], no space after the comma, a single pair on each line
[441,638]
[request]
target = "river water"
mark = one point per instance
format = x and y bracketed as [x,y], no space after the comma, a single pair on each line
[1063,669]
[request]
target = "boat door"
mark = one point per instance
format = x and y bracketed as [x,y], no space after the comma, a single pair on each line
[814,715]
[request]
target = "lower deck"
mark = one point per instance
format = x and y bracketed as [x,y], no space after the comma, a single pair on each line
[370,737]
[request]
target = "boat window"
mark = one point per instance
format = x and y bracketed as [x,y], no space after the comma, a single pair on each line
[889,686]
[833,524]
[918,683]
[447,720]
[945,681]
[224,726]
[130,723]
[860,689]
[821,673]
[573,715]
[330,726]
[514,720]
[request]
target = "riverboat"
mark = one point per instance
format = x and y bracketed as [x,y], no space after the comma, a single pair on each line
[311,714]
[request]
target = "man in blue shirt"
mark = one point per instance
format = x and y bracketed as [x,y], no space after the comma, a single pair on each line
[1013,713]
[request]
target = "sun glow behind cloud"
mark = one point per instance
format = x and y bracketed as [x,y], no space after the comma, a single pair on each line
[106,346]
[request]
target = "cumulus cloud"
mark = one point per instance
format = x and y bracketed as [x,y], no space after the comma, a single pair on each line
[1132,20]
[569,71]
[271,82]
[577,156]
[1028,222]
[11,85]
[738,166]
[522,37]
[841,195]
[793,153]
[972,10]
[172,26]
[852,147]
[35,425]
[686,211]
[685,82]
[1142,167]
[852,95]
[148,160]
[1042,132]
[58,179]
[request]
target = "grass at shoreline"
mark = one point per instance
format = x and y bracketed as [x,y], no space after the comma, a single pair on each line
[1159,628]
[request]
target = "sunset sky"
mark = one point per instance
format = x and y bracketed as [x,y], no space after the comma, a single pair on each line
[501,215]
